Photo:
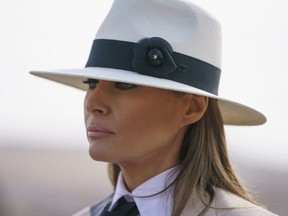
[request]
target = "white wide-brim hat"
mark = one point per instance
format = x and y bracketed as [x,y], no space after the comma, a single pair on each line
[168,44]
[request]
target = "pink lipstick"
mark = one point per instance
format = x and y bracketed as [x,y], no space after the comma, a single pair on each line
[98,132]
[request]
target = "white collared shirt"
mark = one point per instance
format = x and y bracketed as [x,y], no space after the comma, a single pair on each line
[160,204]
[223,204]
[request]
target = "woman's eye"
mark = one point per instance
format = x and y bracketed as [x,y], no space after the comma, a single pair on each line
[92,83]
[124,86]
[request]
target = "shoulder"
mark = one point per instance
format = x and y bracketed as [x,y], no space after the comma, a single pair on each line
[95,209]
[226,203]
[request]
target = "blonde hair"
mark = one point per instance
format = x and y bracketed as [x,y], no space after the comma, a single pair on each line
[204,163]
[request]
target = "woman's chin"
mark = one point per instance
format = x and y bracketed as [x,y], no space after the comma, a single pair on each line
[100,154]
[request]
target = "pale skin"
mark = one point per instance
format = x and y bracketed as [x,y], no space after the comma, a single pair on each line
[139,128]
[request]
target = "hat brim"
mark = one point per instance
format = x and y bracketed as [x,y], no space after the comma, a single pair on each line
[233,113]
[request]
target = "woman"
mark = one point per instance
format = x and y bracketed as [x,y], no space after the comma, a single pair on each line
[152,110]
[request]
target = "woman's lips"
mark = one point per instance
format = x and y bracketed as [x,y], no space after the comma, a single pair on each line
[97,132]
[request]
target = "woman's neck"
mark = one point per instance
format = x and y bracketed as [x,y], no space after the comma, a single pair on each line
[137,173]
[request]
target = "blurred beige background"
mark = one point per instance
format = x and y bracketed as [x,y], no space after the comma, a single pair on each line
[49,182]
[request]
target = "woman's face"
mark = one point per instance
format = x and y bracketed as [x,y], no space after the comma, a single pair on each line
[130,123]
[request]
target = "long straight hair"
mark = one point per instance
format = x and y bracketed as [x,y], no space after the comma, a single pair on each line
[204,163]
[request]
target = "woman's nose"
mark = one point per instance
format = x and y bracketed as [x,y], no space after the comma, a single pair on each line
[96,99]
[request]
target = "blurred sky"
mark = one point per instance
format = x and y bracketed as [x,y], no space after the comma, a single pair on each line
[38,35]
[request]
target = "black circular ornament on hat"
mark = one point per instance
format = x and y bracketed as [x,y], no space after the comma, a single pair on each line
[152,57]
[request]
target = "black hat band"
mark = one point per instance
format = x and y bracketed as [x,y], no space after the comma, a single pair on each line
[155,57]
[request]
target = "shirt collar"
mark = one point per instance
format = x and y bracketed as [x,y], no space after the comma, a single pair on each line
[160,204]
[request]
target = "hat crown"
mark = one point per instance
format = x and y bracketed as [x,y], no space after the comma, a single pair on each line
[189,29]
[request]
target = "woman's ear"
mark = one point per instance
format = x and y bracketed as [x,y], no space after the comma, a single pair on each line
[196,107]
